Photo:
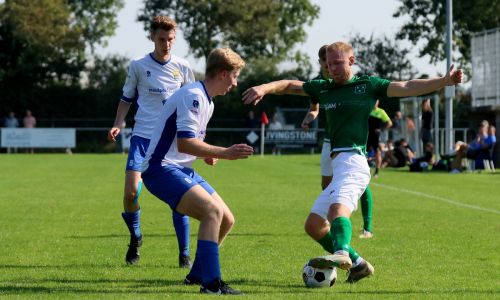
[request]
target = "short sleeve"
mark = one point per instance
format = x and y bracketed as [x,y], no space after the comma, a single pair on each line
[311,87]
[384,117]
[188,116]
[130,86]
[188,75]
[380,86]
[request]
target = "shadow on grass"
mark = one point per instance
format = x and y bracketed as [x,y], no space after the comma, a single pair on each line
[157,235]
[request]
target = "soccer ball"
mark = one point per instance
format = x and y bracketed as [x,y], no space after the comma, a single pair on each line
[314,277]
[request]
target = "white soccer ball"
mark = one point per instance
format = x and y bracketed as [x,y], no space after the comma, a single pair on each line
[314,277]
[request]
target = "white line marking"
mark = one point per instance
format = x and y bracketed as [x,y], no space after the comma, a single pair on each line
[435,198]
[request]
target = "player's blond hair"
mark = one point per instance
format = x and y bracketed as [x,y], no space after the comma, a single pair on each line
[340,46]
[223,59]
[162,22]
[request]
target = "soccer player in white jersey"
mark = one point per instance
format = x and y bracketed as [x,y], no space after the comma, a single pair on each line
[151,80]
[178,139]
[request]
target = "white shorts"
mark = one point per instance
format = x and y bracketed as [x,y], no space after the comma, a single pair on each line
[352,175]
[326,160]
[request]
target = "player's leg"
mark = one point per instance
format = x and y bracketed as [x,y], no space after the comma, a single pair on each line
[352,174]
[366,201]
[182,230]
[198,204]
[227,218]
[132,190]
[132,214]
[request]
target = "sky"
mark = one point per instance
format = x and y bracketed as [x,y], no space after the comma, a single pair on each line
[337,21]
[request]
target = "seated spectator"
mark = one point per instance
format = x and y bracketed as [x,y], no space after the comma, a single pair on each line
[478,150]
[422,163]
[400,156]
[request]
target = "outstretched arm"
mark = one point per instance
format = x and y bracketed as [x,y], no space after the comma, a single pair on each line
[256,93]
[416,87]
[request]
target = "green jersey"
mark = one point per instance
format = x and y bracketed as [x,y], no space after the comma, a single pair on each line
[347,108]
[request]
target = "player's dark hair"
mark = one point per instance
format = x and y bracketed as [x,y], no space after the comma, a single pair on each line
[162,22]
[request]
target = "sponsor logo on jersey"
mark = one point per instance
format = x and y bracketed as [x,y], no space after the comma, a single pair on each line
[148,74]
[360,89]
[328,106]
[196,103]
[188,180]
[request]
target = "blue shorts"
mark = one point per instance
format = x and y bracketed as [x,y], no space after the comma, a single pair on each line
[136,153]
[169,183]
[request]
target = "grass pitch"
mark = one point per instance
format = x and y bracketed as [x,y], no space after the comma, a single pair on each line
[62,236]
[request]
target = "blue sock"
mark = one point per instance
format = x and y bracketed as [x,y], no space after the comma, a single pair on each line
[195,272]
[133,221]
[181,225]
[208,253]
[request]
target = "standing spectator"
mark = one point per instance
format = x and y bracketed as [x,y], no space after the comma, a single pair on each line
[425,131]
[252,122]
[275,125]
[11,122]
[396,131]
[29,121]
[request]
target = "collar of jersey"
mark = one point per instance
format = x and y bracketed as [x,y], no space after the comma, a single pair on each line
[206,93]
[159,62]
[353,79]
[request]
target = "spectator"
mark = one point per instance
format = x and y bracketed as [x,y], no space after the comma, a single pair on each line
[251,121]
[29,121]
[275,125]
[11,122]
[396,129]
[478,150]
[422,163]
[400,156]
[425,131]
[491,141]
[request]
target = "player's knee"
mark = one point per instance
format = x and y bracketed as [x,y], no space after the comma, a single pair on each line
[229,220]
[314,227]
[214,213]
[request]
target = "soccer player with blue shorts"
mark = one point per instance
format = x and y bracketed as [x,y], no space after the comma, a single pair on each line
[151,80]
[348,101]
[178,139]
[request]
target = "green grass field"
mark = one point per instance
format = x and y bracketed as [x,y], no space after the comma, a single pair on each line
[436,235]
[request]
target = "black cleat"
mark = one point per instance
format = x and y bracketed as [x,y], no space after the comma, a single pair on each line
[133,256]
[365,269]
[191,280]
[219,287]
[184,262]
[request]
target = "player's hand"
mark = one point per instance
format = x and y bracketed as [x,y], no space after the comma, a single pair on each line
[305,125]
[253,95]
[454,76]
[113,133]
[211,161]
[238,151]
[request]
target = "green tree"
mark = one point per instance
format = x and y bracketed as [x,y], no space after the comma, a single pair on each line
[382,57]
[43,43]
[428,23]
[253,28]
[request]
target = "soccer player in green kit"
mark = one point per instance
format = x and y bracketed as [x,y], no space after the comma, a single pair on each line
[348,101]
[366,199]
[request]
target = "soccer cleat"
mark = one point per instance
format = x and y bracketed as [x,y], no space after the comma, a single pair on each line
[133,256]
[365,234]
[364,269]
[219,287]
[184,261]
[191,280]
[341,261]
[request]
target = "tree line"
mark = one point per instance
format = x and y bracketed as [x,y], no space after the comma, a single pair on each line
[48,63]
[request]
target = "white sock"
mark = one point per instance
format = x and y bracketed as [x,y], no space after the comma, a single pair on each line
[357,262]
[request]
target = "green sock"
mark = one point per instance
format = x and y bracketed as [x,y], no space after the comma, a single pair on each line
[353,255]
[327,243]
[341,231]
[366,209]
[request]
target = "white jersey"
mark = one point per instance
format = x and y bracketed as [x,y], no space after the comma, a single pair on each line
[151,83]
[184,115]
